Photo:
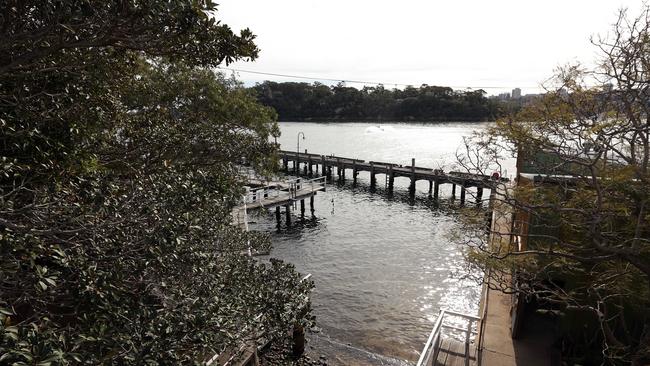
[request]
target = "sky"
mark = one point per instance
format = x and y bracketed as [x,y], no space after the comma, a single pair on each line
[496,45]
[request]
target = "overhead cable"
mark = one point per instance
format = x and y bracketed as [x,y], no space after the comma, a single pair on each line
[359,81]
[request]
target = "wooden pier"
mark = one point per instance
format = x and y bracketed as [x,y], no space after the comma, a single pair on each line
[311,163]
[453,353]
[277,194]
[443,350]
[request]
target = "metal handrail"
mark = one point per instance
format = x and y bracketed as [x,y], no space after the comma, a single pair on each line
[294,184]
[432,346]
[261,193]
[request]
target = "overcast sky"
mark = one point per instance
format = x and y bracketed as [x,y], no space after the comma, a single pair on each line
[501,44]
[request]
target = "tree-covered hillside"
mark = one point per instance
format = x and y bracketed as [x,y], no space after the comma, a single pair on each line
[319,102]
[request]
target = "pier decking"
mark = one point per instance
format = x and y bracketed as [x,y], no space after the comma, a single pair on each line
[453,353]
[444,350]
[435,177]
[278,194]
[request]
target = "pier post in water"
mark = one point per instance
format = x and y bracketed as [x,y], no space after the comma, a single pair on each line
[302,208]
[298,336]
[373,178]
[391,178]
[453,190]
[287,210]
[311,205]
[285,164]
[354,172]
[462,194]
[278,216]
[323,166]
[479,194]
[311,166]
[338,167]
[412,185]
[430,188]
[436,187]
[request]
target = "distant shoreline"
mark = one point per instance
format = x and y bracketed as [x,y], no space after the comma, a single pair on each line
[344,120]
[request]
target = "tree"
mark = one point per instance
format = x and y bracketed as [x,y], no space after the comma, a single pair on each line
[119,171]
[302,101]
[581,240]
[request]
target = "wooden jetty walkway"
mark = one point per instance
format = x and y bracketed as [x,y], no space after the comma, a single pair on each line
[277,194]
[435,177]
[446,350]
[452,353]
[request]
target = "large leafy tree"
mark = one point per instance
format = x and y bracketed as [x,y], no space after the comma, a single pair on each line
[580,244]
[119,149]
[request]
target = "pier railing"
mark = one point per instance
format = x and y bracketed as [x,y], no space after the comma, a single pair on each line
[259,194]
[317,183]
[432,347]
[297,184]
[294,187]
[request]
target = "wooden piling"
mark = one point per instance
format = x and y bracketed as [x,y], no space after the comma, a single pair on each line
[430,188]
[298,336]
[391,179]
[311,167]
[311,205]
[412,185]
[302,208]
[338,167]
[436,188]
[462,194]
[287,210]
[278,216]
[373,178]
[453,190]
[354,171]
[479,194]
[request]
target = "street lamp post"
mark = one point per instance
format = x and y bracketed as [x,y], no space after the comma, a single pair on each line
[297,163]
[298,141]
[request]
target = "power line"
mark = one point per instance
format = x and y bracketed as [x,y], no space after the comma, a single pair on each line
[308,77]
[360,81]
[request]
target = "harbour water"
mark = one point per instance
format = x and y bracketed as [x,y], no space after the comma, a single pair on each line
[383,265]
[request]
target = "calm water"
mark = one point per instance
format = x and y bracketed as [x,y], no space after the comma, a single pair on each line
[382,266]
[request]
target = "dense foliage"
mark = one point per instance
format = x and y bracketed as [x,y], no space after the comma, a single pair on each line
[118,176]
[318,102]
[580,246]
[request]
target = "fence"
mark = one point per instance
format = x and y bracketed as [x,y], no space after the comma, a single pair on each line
[432,347]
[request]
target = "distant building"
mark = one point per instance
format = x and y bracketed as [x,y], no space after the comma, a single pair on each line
[516,93]
[504,96]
